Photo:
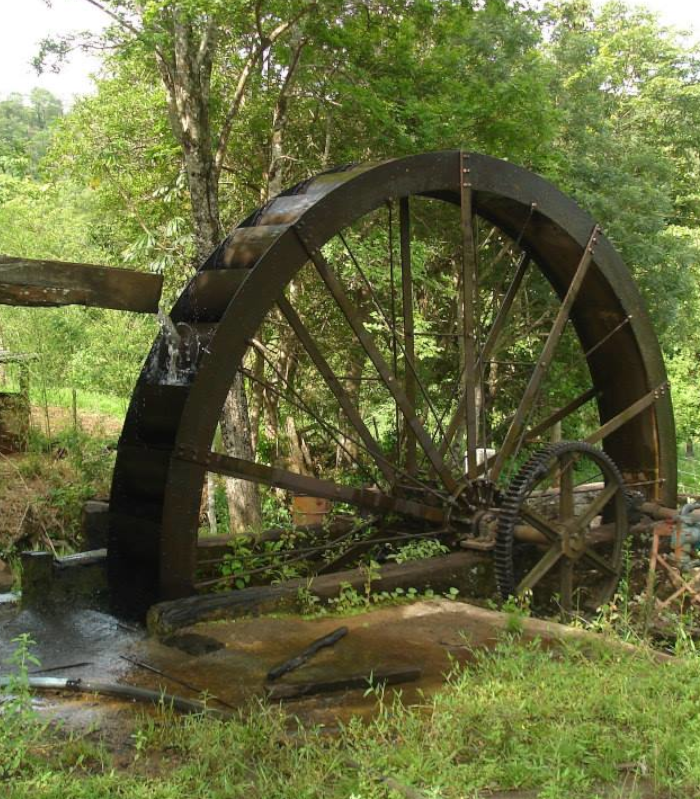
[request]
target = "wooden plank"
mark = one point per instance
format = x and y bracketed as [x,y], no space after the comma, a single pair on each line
[351,682]
[54,283]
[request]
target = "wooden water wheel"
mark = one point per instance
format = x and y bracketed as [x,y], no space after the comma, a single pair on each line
[453,310]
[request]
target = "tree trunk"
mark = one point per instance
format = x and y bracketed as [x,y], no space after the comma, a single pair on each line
[243,496]
[187,78]
[257,398]
[349,452]
[211,504]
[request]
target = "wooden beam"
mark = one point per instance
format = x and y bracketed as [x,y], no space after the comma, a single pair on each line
[470,572]
[370,499]
[55,283]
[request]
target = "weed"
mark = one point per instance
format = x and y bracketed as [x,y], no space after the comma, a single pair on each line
[418,550]
[19,719]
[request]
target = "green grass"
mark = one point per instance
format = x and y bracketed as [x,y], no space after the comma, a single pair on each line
[89,401]
[568,723]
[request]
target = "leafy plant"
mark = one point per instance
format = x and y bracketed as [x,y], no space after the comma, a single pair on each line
[20,726]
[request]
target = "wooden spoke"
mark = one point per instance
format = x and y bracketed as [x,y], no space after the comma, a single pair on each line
[600,562]
[313,486]
[469,290]
[625,416]
[353,415]
[334,432]
[408,326]
[490,345]
[513,436]
[596,507]
[394,339]
[543,566]
[566,489]
[561,413]
[499,322]
[299,403]
[408,361]
[566,574]
[530,515]
[407,409]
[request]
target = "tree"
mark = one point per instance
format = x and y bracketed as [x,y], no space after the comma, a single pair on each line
[186,42]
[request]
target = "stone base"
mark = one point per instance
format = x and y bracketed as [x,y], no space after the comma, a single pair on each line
[76,580]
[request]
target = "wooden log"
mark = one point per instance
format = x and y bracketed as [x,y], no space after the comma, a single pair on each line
[53,283]
[352,682]
[471,572]
[293,663]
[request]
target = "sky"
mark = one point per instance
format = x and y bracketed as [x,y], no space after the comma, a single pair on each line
[26,22]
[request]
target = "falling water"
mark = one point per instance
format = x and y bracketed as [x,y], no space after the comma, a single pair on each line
[181,352]
[173,341]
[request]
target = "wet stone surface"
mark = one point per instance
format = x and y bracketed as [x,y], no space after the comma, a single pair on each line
[66,636]
[231,659]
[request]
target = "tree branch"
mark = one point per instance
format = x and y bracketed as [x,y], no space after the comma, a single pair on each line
[124,23]
[116,17]
[265,43]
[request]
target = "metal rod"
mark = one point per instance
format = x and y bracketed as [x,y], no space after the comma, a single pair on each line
[333,284]
[408,325]
[624,322]
[324,368]
[176,680]
[300,557]
[514,435]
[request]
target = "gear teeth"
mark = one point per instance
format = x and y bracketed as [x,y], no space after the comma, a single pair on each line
[519,488]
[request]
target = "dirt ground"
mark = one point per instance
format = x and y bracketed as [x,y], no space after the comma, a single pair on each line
[23,489]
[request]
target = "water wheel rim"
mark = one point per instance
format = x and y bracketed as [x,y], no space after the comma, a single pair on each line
[504,194]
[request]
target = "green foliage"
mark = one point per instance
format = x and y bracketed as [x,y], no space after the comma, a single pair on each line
[25,131]
[417,550]
[20,725]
